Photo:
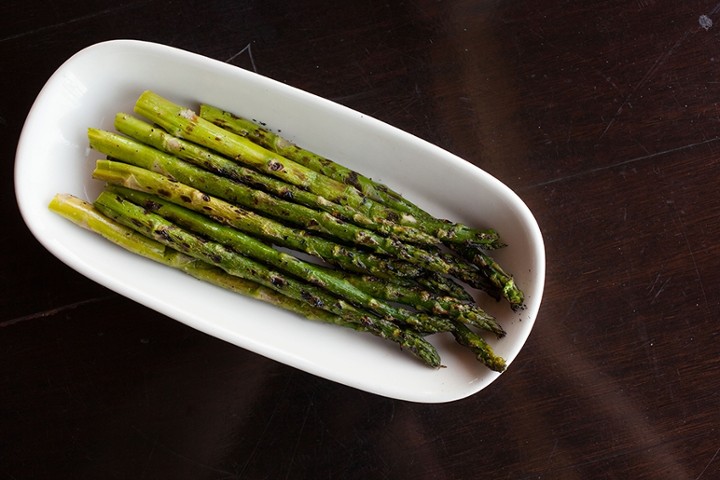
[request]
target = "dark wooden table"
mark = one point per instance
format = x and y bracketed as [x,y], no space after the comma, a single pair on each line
[603,116]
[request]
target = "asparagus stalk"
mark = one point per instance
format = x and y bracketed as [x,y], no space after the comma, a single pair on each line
[499,283]
[482,350]
[341,283]
[204,158]
[129,150]
[425,301]
[496,276]
[376,191]
[450,290]
[443,285]
[183,122]
[85,215]
[276,143]
[170,235]
[349,258]
[254,249]
[325,279]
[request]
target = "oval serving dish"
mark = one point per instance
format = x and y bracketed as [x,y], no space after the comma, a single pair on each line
[101,80]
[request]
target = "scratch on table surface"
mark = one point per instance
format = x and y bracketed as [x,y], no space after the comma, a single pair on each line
[708,464]
[688,245]
[149,457]
[663,286]
[175,453]
[659,291]
[624,162]
[705,22]
[297,440]
[247,49]
[265,429]
[54,311]
[555,446]
[659,61]
[614,407]
[81,18]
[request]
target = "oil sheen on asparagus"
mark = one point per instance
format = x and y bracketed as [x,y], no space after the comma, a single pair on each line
[230,202]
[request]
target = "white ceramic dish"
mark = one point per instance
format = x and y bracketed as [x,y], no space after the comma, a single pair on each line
[93,85]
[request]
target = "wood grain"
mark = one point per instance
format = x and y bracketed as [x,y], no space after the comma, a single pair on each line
[603,116]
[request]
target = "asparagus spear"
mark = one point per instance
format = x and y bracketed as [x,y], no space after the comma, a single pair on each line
[85,215]
[204,158]
[254,249]
[313,274]
[425,301]
[499,283]
[376,191]
[497,277]
[166,233]
[339,282]
[140,179]
[450,290]
[276,143]
[183,122]
[483,352]
[443,285]
[264,137]
[129,150]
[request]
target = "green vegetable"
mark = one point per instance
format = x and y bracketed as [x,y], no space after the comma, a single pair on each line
[498,278]
[483,352]
[499,283]
[425,301]
[129,150]
[85,215]
[138,178]
[168,234]
[184,123]
[232,203]
[254,249]
[275,143]
[206,159]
